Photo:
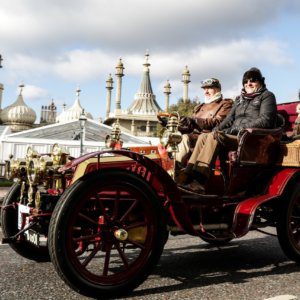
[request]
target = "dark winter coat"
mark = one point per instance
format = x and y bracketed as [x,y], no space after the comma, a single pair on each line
[259,112]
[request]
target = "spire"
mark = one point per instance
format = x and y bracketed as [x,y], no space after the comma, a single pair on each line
[21,86]
[20,99]
[78,90]
[144,100]
[146,63]
[146,82]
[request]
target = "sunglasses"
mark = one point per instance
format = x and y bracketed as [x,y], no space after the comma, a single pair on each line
[252,80]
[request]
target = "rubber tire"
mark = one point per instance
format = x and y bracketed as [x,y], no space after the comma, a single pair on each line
[9,223]
[284,237]
[59,227]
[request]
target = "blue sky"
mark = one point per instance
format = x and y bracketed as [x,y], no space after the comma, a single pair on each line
[55,46]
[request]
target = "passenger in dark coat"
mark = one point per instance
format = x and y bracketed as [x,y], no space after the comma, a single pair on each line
[254,108]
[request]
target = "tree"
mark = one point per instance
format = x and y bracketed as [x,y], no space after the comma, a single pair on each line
[184,108]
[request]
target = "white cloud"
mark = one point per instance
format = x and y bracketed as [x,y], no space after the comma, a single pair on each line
[80,65]
[74,42]
[31,92]
[217,60]
[129,24]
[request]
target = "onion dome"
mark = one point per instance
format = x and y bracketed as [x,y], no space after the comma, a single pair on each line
[74,112]
[18,115]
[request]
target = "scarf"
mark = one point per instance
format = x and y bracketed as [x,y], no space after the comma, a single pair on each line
[215,97]
[251,96]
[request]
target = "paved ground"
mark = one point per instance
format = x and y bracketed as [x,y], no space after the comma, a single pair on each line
[253,267]
[250,268]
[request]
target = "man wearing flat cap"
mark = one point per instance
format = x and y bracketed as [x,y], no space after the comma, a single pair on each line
[206,116]
[255,107]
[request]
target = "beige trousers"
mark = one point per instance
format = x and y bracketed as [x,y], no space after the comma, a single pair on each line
[183,149]
[207,149]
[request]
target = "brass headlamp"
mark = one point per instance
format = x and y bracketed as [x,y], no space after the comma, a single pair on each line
[171,136]
[16,168]
[32,165]
[115,137]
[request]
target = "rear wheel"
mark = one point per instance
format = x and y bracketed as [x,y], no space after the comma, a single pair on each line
[107,233]
[288,225]
[9,223]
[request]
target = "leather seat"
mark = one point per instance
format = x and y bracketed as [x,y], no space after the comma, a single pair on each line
[257,146]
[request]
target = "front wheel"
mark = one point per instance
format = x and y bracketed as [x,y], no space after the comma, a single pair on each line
[9,223]
[107,233]
[288,225]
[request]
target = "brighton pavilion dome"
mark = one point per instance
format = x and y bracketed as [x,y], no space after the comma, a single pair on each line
[18,115]
[74,112]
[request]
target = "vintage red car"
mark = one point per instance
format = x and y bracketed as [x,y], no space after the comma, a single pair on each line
[105,217]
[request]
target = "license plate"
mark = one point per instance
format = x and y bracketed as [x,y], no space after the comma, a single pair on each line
[22,210]
[32,237]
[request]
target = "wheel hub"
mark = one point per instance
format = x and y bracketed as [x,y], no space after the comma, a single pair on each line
[121,234]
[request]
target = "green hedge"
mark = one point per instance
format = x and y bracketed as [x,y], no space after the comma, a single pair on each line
[5,182]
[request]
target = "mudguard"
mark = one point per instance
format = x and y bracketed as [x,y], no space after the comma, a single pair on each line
[172,195]
[245,210]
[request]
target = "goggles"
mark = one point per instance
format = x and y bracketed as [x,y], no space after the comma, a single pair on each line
[210,81]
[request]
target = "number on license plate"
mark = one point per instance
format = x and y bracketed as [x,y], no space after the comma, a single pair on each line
[33,237]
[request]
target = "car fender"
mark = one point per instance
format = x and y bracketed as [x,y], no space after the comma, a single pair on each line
[245,210]
[167,190]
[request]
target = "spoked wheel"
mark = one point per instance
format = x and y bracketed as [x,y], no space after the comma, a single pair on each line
[107,233]
[288,225]
[9,223]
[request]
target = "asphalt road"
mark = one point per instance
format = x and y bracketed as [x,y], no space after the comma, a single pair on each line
[253,267]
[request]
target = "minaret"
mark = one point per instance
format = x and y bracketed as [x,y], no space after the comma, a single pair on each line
[119,74]
[109,87]
[167,92]
[186,80]
[1,94]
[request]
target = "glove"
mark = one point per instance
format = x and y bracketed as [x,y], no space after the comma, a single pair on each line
[234,130]
[216,131]
[186,125]
[163,121]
